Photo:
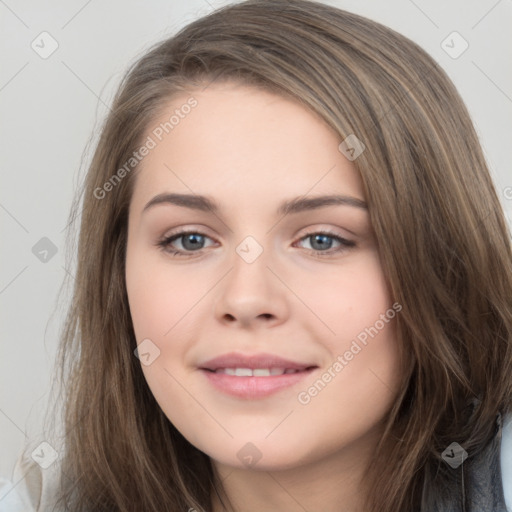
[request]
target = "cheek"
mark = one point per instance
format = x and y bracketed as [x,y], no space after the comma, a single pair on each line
[160,295]
[361,375]
[359,384]
[348,298]
[161,299]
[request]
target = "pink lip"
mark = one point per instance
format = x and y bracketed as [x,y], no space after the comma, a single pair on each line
[237,360]
[253,387]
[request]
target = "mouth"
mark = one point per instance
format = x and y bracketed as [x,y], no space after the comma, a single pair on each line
[257,372]
[254,376]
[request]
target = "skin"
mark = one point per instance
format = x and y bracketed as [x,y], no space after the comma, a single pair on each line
[250,150]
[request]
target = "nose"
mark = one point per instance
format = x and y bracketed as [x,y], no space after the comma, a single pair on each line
[251,294]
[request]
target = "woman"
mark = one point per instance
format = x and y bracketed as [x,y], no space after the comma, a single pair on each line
[261,373]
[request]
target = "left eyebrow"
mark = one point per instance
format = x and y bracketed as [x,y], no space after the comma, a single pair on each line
[297,205]
[301,204]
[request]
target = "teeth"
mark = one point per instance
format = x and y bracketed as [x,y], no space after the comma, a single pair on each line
[261,372]
[257,372]
[243,372]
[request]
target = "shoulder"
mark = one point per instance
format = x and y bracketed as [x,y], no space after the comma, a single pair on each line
[35,481]
[506,460]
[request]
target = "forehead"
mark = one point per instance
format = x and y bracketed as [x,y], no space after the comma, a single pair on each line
[241,142]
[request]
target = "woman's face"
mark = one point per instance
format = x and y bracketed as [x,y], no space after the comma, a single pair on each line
[255,278]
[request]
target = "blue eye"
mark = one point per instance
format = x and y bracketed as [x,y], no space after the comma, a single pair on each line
[193,242]
[323,241]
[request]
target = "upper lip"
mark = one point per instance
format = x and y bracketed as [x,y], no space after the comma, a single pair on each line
[252,361]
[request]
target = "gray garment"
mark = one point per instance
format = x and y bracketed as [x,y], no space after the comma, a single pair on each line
[477,485]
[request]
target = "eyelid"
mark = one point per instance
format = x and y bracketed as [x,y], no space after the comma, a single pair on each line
[200,230]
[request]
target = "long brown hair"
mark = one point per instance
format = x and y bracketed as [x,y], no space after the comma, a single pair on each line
[443,242]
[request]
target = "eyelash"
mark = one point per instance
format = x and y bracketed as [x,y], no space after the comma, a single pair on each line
[164,243]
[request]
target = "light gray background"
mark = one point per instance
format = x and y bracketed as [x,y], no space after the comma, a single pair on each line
[50,107]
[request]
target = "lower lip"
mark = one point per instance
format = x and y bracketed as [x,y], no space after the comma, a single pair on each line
[252,388]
